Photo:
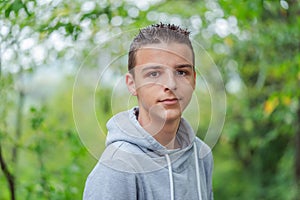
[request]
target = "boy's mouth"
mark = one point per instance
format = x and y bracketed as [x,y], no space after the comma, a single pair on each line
[169,101]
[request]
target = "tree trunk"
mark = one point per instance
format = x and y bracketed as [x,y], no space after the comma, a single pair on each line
[19,120]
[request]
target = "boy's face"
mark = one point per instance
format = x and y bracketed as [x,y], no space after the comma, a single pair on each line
[163,80]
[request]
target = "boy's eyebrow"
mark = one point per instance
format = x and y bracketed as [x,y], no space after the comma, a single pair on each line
[151,67]
[184,66]
[179,66]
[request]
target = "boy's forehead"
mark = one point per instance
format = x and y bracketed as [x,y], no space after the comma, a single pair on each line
[178,50]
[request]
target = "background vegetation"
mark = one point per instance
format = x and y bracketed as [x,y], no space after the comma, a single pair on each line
[48,57]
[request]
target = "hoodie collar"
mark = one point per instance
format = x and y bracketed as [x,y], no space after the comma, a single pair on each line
[125,127]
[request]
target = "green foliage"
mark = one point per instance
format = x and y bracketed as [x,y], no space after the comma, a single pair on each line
[15,7]
[262,120]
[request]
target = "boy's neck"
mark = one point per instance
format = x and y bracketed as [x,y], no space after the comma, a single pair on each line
[163,132]
[167,135]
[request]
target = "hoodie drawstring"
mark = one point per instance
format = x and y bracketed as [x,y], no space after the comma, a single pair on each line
[197,171]
[170,176]
[197,174]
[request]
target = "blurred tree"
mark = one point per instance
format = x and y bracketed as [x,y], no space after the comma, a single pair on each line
[33,34]
[263,117]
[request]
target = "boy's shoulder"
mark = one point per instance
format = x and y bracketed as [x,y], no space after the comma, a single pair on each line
[203,149]
[126,157]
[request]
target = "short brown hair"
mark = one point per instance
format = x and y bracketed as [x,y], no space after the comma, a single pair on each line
[155,34]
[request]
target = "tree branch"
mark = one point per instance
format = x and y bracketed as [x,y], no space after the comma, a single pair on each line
[9,177]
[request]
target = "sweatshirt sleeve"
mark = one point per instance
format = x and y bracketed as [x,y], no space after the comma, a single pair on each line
[105,183]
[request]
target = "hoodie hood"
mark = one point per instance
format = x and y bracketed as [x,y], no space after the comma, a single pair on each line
[125,127]
[132,149]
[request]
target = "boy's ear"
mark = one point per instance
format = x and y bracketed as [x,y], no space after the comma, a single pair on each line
[195,76]
[130,84]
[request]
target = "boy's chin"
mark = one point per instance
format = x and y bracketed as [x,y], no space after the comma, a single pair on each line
[161,114]
[172,114]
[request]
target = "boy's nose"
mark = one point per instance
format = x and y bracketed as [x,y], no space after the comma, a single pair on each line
[170,81]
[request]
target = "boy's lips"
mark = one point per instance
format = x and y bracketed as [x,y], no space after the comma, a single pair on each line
[169,101]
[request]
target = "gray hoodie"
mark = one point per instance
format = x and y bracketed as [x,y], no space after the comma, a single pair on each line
[135,166]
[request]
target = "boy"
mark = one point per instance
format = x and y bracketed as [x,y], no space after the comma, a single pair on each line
[151,151]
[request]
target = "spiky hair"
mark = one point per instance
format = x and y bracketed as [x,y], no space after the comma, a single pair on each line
[155,34]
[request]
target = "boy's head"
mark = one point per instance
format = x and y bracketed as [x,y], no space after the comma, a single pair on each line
[161,72]
[155,34]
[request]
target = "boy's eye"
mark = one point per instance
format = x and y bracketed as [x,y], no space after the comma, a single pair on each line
[181,73]
[153,74]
